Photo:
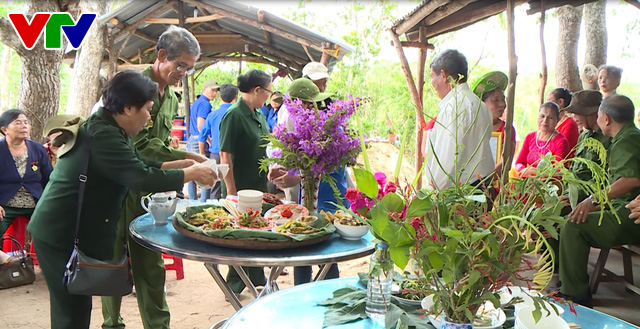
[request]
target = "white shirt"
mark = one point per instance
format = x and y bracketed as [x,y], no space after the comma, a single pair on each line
[283,118]
[464,127]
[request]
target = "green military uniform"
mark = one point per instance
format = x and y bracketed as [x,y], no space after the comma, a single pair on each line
[580,169]
[147,266]
[114,167]
[623,157]
[241,134]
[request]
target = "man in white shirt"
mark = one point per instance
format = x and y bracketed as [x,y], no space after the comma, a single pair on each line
[457,148]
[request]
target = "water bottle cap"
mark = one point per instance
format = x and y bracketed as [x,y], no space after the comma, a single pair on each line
[383,245]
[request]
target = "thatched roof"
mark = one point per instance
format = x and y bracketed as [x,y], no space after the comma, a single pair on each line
[226,30]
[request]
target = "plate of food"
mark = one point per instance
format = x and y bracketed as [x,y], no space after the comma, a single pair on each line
[295,227]
[347,226]
[222,223]
[207,215]
[271,198]
[252,220]
[285,212]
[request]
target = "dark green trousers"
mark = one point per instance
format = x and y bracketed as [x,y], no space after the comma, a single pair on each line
[576,241]
[147,268]
[67,311]
[256,274]
[10,213]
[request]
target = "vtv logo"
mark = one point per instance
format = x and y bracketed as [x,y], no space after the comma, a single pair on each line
[29,32]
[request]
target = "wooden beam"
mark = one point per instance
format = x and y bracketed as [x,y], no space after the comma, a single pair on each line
[415,44]
[422,58]
[509,145]
[445,11]
[188,20]
[115,22]
[467,16]
[142,53]
[306,50]
[267,35]
[133,26]
[264,27]
[416,17]
[634,3]
[417,102]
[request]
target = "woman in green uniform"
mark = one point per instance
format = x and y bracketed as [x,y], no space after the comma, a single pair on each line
[242,146]
[114,168]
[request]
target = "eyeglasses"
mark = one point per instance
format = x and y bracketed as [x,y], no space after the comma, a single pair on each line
[270,91]
[184,68]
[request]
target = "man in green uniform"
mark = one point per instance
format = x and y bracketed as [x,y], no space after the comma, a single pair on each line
[583,231]
[584,110]
[177,52]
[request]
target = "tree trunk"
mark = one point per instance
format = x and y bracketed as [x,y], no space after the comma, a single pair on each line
[567,74]
[5,58]
[85,84]
[596,31]
[40,82]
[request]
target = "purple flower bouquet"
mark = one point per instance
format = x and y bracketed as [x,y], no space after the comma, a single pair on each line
[321,143]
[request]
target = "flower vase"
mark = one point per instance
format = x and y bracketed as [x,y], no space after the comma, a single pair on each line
[310,187]
[445,324]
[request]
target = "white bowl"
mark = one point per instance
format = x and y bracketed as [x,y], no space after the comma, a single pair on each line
[249,196]
[524,320]
[351,232]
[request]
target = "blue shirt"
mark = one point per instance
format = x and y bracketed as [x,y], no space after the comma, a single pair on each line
[325,192]
[211,127]
[270,115]
[200,108]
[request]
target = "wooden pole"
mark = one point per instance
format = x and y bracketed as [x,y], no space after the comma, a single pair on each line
[543,77]
[186,100]
[509,145]
[417,101]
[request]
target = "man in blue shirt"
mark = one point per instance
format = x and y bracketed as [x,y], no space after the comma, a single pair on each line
[198,112]
[211,130]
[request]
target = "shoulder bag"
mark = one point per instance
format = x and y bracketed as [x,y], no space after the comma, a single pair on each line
[85,275]
[18,273]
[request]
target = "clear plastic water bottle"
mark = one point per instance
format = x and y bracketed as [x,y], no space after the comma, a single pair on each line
[379,286]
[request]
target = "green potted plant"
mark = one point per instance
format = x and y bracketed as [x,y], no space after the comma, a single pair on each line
[467,247]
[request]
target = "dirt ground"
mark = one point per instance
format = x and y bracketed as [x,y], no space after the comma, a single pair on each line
[195,301]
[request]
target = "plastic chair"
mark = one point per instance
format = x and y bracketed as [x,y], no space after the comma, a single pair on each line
[18,230]
[175,266]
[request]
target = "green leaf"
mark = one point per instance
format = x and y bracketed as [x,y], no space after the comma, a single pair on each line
[379,219]
[436,259]
[475,236]
[419,207]
[400,256]
[366,182]
[393,202]
[477,198]
[454,234]
[473,277]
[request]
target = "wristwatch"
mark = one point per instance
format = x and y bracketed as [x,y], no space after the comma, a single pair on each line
[593,200]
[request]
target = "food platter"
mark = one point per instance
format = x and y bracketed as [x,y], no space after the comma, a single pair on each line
[238,237]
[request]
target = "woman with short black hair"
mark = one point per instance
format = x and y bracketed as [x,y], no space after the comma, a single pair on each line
[25,168]
[114,167]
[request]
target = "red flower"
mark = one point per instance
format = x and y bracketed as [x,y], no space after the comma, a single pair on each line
[351,194]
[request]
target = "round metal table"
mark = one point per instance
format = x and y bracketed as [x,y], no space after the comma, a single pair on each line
[297,307]
[166,239]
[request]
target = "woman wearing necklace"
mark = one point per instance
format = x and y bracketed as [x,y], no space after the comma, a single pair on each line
[566,125]
[24,168]
[546,139]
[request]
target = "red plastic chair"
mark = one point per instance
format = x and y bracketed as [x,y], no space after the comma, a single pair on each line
[18,231]
[175,266]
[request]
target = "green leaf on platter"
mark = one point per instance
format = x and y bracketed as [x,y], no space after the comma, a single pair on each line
[393,202]
[366,182]
[344,314]
[393,315]
[400,256]
[419,207]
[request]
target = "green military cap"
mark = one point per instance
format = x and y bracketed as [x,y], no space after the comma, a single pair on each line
[211,84]
[306,90]
[584,102]
[67,125]
[489,82]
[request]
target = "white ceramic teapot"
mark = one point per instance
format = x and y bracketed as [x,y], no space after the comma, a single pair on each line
[161,206]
